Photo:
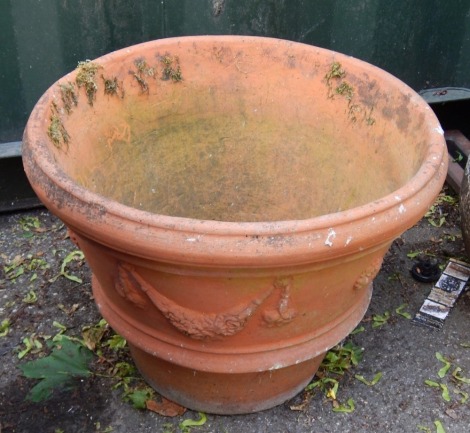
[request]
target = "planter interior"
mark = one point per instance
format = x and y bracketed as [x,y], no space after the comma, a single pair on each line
[234,197]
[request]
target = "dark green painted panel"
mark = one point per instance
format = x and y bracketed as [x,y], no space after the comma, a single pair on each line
[426,43]
[91,28]
[12,103]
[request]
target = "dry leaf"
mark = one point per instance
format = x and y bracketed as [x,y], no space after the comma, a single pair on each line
[307,397]
[92,336]
[67,311]
[39,230]
[451,413]
[165,407]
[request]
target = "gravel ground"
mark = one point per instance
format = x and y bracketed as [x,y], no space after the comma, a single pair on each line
[45,291]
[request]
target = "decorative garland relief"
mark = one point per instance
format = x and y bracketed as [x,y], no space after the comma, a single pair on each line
[204,326]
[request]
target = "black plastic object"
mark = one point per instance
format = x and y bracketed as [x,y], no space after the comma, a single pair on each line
[15,191]
[426,271]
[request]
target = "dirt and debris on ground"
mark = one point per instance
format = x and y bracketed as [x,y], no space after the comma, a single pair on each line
[392,385]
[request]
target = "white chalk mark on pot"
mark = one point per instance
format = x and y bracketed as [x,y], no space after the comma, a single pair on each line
[277,366]
[330,237]
[196,239]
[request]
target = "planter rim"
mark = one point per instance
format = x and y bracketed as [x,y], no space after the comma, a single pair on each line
[428,177]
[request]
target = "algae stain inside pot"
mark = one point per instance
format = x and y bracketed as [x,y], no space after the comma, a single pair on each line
[237,168]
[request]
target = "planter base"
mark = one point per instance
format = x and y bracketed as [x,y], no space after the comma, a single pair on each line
[231,392]
[198,385]
[225,394]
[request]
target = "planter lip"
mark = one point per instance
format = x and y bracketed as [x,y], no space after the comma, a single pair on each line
[110,213]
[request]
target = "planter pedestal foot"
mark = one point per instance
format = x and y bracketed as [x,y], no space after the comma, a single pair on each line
[225,394]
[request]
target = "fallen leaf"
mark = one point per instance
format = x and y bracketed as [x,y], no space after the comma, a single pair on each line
[93,335]
[457,376]
[445,389]
[452,413]
[40,230]
[5,327]
[373,382]
[443,371]
[445,392]
[68,360]
[358,330]
[307,397]
[165,407]
[464,395]
[348,407]
[187,423]
[139,397]
[402,313]
[439,427]
[431,383]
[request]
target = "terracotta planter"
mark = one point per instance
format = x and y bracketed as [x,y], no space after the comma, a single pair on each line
[234,197]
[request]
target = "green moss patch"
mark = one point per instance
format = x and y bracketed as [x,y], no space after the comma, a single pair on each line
[171,68]
[69,96]
[86,77]
[112,87]
[56,130]
[143,72]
